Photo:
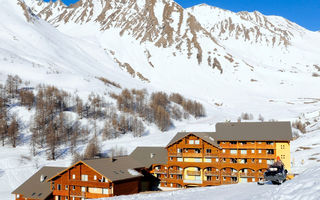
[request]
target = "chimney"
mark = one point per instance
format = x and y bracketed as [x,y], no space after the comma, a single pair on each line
[42,178]
[152,155]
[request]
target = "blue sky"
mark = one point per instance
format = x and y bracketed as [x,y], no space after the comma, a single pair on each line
[303,12]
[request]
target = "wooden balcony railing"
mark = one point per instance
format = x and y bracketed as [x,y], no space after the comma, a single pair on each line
[174,171]
[96,196]
[173,180]
[60,192]
[192,155]
[160,171]
[247,174]
[212,182]
[88,183]
[211,155]
[193,173]
[229,182]
[175,154]
[211,173]
[76,194]
[234,174]
[192,181]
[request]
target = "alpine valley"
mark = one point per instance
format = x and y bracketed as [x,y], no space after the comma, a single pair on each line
[233,64]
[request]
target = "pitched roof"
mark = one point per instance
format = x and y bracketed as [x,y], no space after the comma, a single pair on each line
[150,155]
[35,189]
[206,136]
[237,131]
[119,169]
[277,131]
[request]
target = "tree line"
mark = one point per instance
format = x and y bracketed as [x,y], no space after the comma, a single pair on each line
[53,130]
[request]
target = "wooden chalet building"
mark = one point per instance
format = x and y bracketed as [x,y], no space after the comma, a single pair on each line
[37,186]
[236,152]
[86,179]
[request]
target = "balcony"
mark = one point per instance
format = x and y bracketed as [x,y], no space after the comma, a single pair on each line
[193,173]
[212,182]
[160,171]
[174,171]
[173,180]
[88,183]
[211,155]
[229,182]
[192,181]
[61,192]
[192,155]
[96,196]
[233,174]
[211,173]
[247,174]
[76,194]
[175,154]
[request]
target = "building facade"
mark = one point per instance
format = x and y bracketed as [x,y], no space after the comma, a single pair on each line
[237,152]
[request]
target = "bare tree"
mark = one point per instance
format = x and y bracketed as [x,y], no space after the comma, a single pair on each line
[13,130]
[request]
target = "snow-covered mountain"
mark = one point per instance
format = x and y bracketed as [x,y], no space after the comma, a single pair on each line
[230,62]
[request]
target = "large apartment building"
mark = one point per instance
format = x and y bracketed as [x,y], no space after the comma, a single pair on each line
[236,152]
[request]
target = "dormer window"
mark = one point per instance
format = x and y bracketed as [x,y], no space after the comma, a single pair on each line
[197,141]
[191,141]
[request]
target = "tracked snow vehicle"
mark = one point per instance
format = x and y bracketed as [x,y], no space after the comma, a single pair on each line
[276,173]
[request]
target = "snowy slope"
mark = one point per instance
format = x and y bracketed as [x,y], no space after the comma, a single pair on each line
[69,46]
[305,186]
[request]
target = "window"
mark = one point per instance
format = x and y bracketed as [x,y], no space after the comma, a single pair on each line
[171,185]
[58,187]
[66,187]
[179,150]
[171,176]
[208,150]
[243,151]
[179,176]
[197,150]
[179,159]
[84,177]
[233,142]
[197,141]
[73,187]
[217,177]
[233,151]
[197,159]
[233,160]
[252,160]
[270,151]
[224,178]
[283,156]
[217,159]
[243,161]
[191,141]
[105,191]
[58,198]
[73,176]
[209,178]
[282,146]
[252,142]
[66,198]
[209,169]
[253,179]
[208,160]
[260,161]
[252,150]
[223,151]
[171,158]
[259,151]
[223,160]
[18,196]
[270,162]
[269,143]
[83,189]
[243,143]
[95,177]
[259,142]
